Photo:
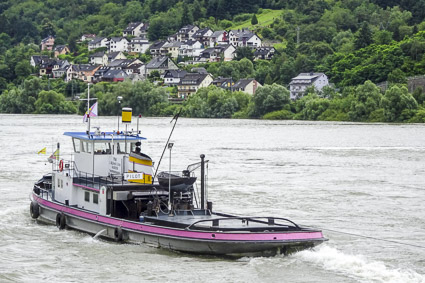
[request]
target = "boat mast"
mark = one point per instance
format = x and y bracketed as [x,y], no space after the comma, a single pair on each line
[176,117]
[88,108]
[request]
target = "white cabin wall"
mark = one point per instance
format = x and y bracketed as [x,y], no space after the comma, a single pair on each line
[62,185]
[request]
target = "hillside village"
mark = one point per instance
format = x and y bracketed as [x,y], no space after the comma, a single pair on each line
[189,46]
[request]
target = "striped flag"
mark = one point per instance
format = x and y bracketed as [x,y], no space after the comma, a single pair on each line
[92,112]
[55,155]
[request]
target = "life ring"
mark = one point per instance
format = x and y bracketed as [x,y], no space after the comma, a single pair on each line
[118,234]
[60,221]
[34,210]
[61,165]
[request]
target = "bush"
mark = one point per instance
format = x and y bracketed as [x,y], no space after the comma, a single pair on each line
[242,17]
[279,115]
[419,117]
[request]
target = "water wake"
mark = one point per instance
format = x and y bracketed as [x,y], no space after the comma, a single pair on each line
[358,267]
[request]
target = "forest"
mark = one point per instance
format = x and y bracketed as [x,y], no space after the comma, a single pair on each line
[356,43]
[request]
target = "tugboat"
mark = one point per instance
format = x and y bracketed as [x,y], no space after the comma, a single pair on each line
[108,189]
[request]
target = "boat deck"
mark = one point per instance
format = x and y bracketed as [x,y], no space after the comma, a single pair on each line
[203,220]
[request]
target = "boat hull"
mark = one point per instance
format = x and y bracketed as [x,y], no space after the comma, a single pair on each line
[197,242]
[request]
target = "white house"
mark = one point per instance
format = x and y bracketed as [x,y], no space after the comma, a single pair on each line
[300,83]
[173,77]
[203,36]
[171,48]
[118,44]
[156,48]
[97,43]
[190,48]
[160,64]
[134,29]
[186,33]
[138,45]
[244,38]
[264,53]
[99,58]
[138,69]
[228,52]
[36,60]
[115,56]
[219,37]
[217,53]
[191,82]
[87,36]
[247,85]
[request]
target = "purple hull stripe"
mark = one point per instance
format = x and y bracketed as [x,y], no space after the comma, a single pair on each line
[183,233]
[85,187]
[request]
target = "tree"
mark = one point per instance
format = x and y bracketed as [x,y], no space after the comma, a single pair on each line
[246,68]
[254,20]
[419,95]
[197,10]
[268,80]
[363,36]
[269,98]
[397,76]
[47,28]
[244,52]
[187,17]
[395,101]
[51,102]
[366,100]
[23,69]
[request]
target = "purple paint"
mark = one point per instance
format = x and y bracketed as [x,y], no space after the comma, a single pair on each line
[182,233]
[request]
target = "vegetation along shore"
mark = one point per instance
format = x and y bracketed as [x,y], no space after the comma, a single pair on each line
[356,60]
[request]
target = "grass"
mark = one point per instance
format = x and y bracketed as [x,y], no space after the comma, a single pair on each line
[279,46]
[264,19]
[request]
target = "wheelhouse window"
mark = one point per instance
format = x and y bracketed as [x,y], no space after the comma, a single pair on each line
[102,148]
[86,147]
[76,143]
[95,198]
[87,196]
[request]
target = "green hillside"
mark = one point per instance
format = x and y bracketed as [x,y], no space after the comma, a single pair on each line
[265,19]
[357,44]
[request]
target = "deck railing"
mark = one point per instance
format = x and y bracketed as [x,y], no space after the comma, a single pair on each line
[270,221]
[92,180]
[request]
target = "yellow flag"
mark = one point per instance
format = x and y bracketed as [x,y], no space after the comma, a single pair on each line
[43,151]
[55,155]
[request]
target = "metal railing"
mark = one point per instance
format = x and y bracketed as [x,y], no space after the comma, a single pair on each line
[270,221]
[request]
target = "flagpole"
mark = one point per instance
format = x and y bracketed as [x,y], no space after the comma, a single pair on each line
[88,108]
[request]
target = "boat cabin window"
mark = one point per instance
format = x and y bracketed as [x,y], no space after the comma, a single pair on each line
[132,147]
[102,148]
[95,198]
[123,148]
[76,143]
[86,147]
[87,196]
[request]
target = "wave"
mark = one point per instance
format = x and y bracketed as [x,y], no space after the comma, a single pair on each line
[357,266]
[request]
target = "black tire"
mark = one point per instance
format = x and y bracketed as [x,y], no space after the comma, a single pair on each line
[63,221]
[34,210]
[60,221]
[118,234]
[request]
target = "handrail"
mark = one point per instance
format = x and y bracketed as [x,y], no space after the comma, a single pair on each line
[93,179]
[270,220]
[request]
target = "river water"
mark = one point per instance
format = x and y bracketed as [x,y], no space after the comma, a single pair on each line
[363,179]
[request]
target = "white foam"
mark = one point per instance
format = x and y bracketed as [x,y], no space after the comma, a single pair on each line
[357,266]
